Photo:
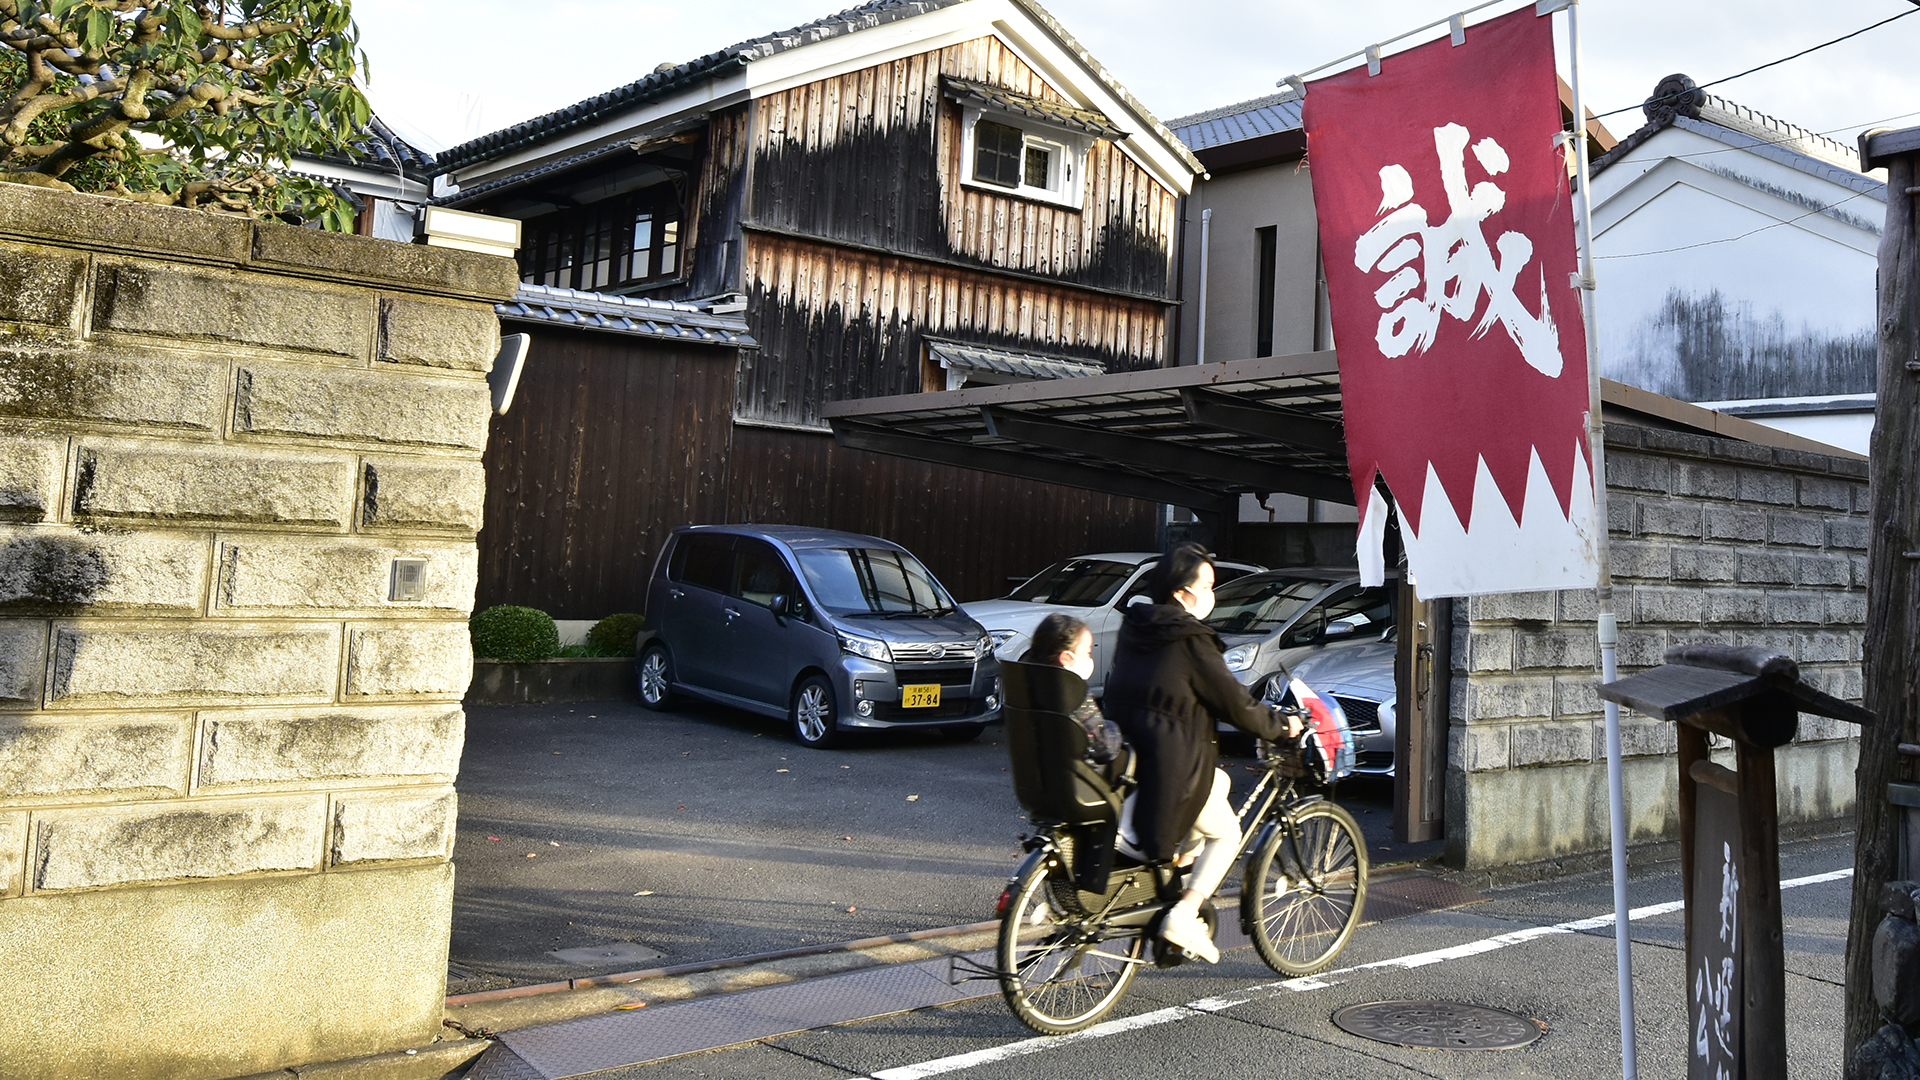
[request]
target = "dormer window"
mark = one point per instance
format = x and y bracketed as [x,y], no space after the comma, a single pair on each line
[1023,145]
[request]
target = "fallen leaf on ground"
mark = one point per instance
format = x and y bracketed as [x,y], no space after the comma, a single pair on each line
[593,716]
[846,838]
[531,855]
[553,843]
[782,770]
[635,1005]
[683,806]
[850,911]
[846,766]
[556,753]
[493,838]
[644,892]
[913,798]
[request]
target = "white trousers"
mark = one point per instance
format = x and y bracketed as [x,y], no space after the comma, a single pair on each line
[1217,831]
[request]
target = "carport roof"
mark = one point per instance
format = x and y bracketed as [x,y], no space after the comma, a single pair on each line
[1195,436]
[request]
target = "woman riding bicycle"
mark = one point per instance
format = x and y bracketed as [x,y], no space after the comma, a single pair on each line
[1167,686]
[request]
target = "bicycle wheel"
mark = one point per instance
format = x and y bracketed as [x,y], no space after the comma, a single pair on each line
[1058,973]
[1305,888]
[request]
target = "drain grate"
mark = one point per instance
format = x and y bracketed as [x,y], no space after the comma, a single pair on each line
[1438,1025]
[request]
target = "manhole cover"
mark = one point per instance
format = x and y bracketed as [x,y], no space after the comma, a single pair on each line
[1437,1025]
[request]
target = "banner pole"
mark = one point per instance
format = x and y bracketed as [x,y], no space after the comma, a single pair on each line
[1608,627]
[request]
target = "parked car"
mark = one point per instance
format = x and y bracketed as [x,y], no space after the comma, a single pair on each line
[1323,626]
[827,630]
[1095,589]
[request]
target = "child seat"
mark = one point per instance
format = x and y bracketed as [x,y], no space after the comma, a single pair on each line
[1052,777]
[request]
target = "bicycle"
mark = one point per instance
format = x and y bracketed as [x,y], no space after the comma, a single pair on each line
[1075,928]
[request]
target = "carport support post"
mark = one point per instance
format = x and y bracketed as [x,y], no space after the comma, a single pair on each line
[1603,591]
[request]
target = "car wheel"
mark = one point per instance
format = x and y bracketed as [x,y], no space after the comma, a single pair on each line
[655,672]
[962,732]
[815,713]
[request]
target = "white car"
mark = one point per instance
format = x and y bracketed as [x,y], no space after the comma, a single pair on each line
[1095,589]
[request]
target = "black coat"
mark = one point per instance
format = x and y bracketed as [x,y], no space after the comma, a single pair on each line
[1167,686]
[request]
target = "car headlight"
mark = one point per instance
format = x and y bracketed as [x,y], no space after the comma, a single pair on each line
[985,645]
[1000,637]
[1240,657]
[867,647]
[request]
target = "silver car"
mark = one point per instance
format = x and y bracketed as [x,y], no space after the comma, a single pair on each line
[827,630]
[1095,589]
[1324,627]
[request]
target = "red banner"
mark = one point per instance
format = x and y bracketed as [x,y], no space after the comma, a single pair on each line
[1448,236]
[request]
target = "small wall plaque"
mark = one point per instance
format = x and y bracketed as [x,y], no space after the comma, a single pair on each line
[409,583]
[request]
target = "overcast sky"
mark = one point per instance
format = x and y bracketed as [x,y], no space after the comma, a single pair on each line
[442,78]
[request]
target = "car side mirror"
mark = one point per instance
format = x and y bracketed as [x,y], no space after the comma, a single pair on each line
[1337,630]
[780,605]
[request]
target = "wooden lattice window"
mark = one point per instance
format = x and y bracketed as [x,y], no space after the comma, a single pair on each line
[611,246]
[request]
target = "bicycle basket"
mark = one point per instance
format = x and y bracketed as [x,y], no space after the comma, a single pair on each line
[1328,745]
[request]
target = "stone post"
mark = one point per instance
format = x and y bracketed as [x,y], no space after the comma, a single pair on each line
[227,750]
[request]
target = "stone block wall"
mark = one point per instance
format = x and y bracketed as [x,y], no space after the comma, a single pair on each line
[226,754]
[1713,540]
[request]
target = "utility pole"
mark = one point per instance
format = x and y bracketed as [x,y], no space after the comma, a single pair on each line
[1892,676]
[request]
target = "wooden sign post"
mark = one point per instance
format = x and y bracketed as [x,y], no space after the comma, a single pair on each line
[1730,843]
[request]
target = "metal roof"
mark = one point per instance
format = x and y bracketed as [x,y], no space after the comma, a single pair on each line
[1058,113]
[969,357]
[1193,436]
[637,316]
[1231,123]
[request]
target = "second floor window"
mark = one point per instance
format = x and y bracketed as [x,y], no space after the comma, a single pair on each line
[612,246]
[1021,161]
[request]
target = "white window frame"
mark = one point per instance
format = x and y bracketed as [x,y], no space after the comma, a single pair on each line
[1067,180]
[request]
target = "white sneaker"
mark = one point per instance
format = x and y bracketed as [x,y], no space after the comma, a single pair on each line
[1184,927]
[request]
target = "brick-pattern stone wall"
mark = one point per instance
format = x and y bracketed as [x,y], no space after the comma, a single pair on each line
[1713,540]
[216,436]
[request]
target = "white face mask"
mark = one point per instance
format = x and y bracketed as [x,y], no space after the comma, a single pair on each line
[1082,666]
[1201,605]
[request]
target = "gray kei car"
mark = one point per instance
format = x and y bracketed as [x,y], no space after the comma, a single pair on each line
[826,630]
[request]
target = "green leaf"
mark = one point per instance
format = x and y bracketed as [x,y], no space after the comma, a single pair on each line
[99,29]
[189,20]
[59,8]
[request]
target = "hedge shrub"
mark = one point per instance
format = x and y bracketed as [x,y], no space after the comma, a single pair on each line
[514,634]
[613,635]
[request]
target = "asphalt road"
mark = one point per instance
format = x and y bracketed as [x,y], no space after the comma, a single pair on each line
[1247,1025]
[709,833]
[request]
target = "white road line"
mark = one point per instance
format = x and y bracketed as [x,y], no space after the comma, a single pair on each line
[1208,1006]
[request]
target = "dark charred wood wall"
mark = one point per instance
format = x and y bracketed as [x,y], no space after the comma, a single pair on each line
[612,440]
[835,324]
[873,157]
[972,529]
[861,239]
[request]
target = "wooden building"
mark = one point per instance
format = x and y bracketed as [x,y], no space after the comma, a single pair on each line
[906,196]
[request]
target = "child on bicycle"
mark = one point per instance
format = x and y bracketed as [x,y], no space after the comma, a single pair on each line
[1064,641]
[1167,686]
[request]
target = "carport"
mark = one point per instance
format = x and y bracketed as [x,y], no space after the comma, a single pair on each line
[1199,436]
[1196,436]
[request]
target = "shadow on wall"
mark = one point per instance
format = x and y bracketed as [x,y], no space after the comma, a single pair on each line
[1710,348]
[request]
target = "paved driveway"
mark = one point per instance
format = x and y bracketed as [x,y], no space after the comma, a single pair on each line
[709,833]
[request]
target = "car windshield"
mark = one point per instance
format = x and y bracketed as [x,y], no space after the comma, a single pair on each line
[872,581]
[1258,604]
[1075,583]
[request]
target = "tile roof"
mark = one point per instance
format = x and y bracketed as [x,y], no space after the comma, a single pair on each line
[1677,102]
[634,315]
[969,357]
[646,141]
[382,150]
[1232,123]
[1091,121]
[667,78]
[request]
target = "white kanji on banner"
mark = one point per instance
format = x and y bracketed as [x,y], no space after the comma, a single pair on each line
[1444,214]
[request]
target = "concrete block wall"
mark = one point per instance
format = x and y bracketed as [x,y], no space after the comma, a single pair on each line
[1713,540]
[226,755]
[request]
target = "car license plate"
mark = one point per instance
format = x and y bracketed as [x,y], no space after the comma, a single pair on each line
[919,697]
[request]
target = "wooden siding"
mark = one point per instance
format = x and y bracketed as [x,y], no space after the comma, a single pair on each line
[873,157]
[835,324]
[973,530]
[610,443]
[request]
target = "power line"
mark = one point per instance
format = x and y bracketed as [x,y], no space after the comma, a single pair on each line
[1762,67]
[1731,239]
